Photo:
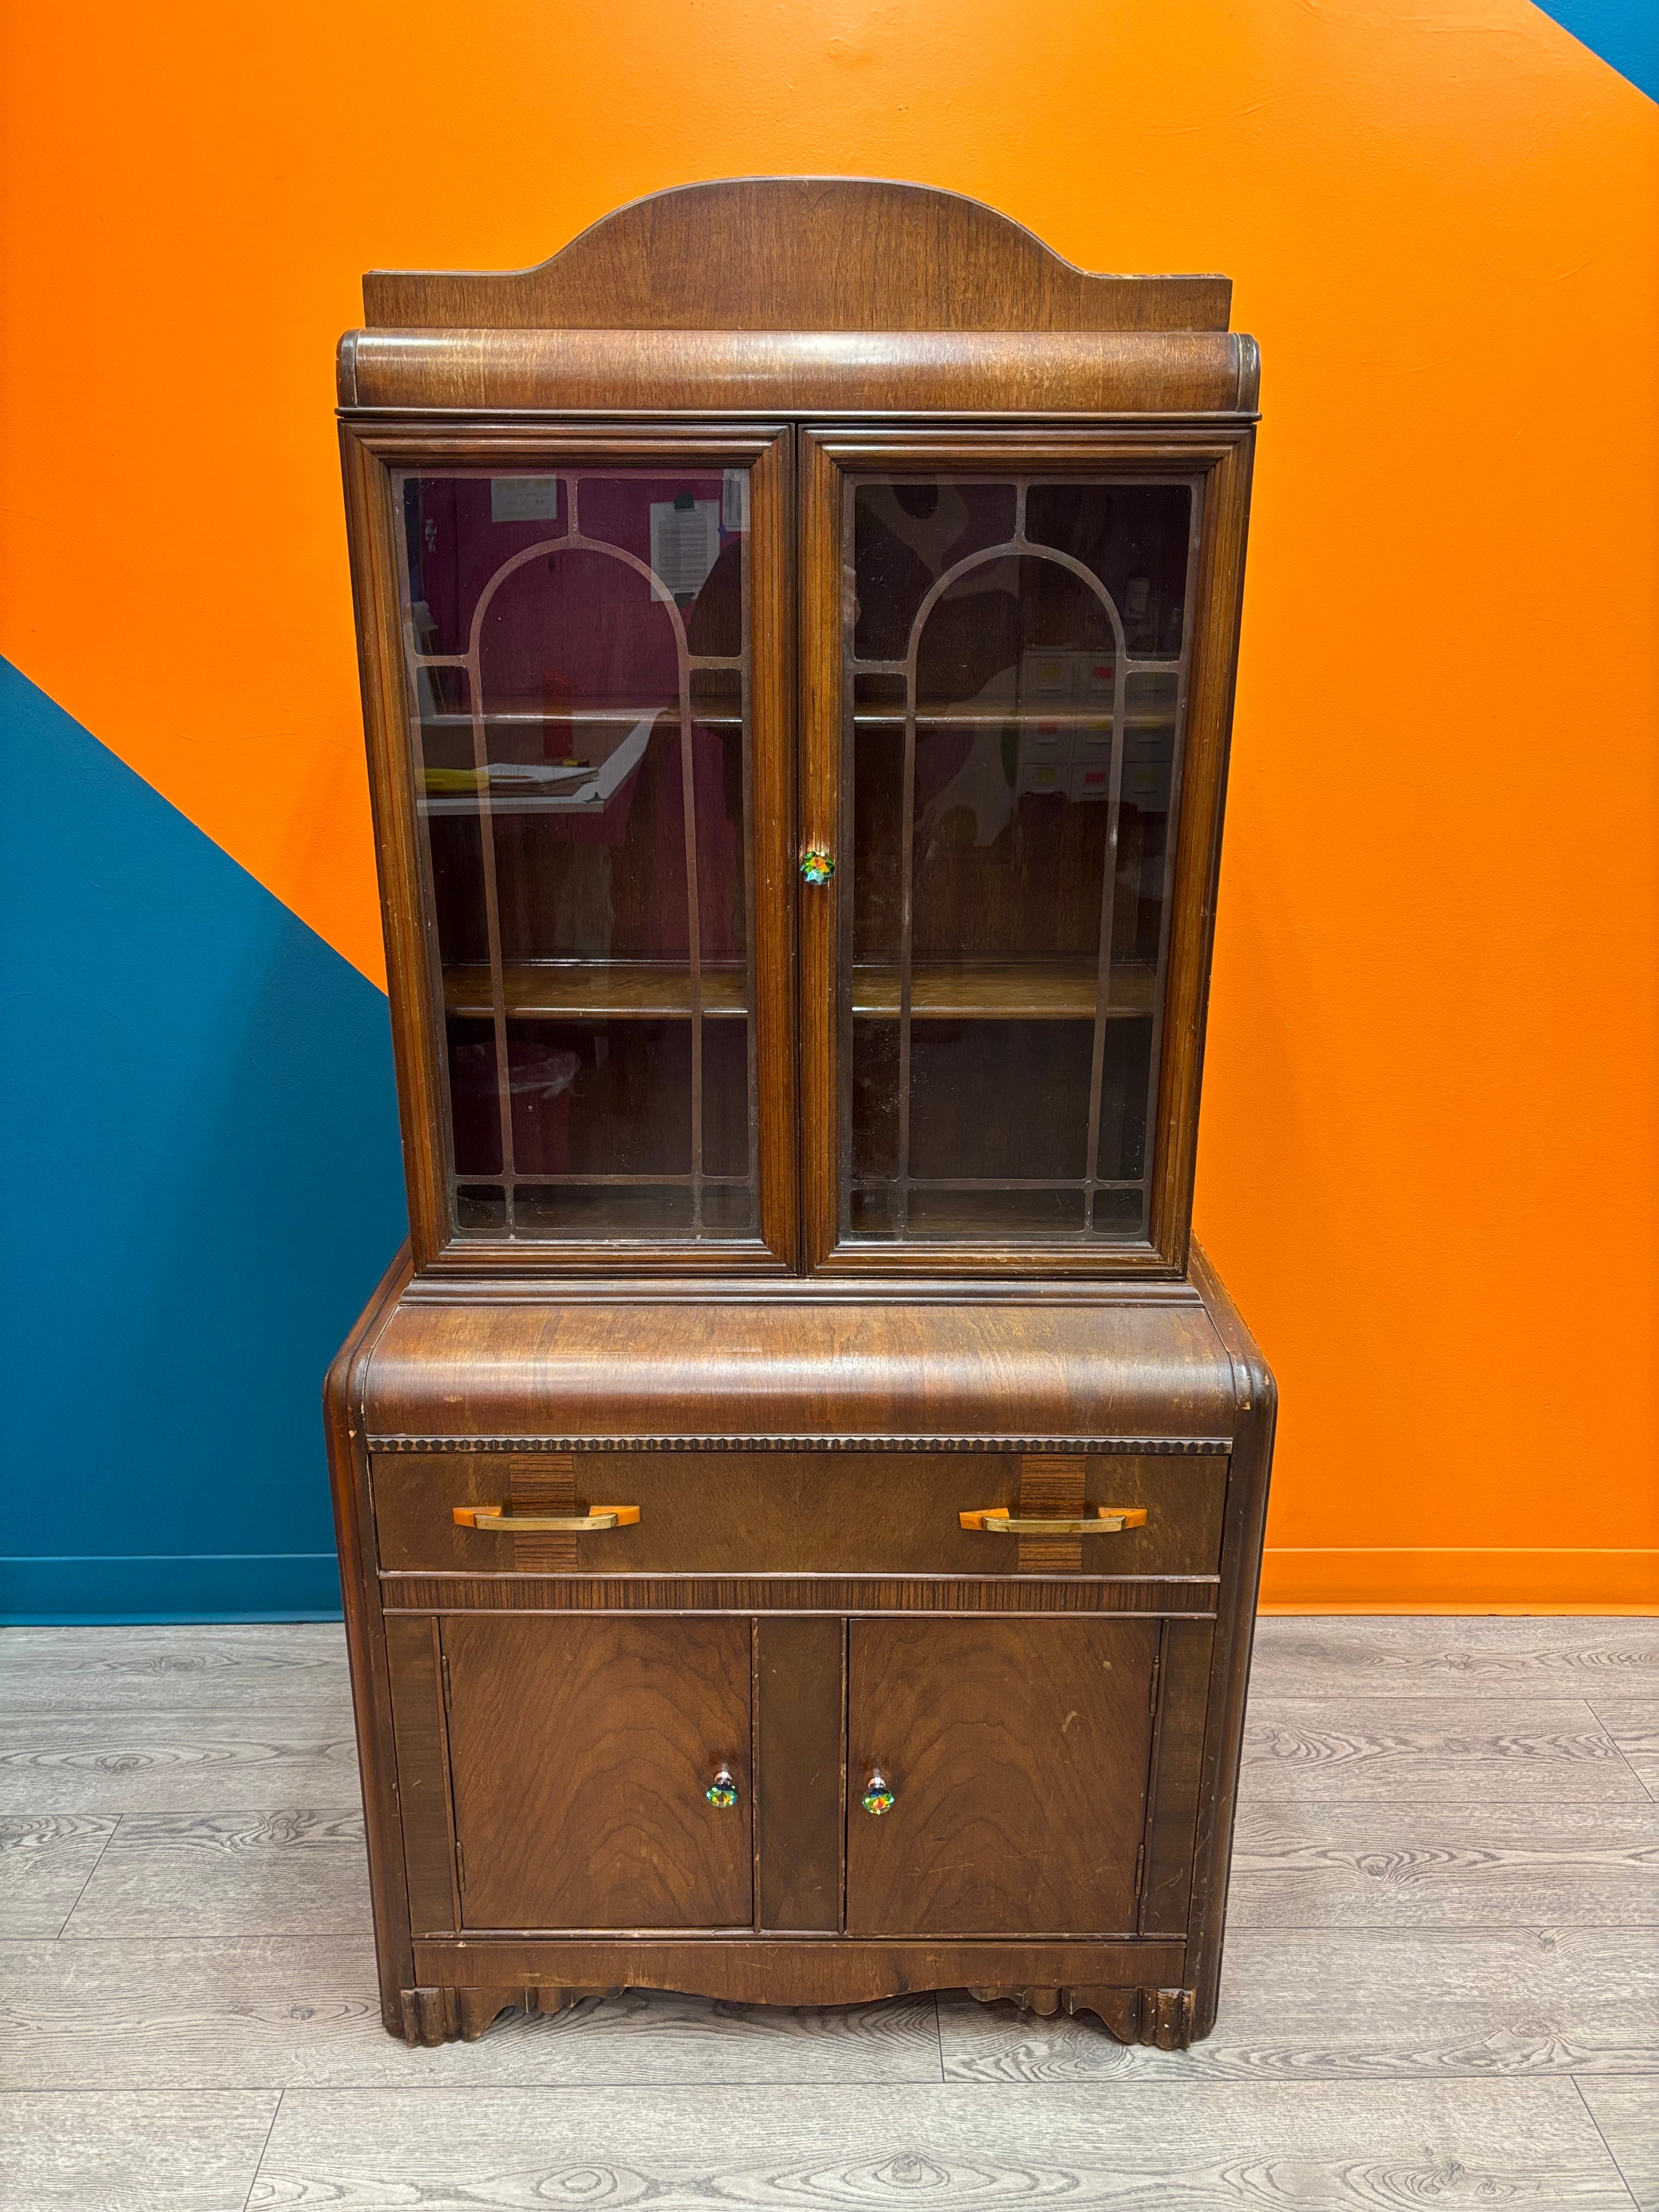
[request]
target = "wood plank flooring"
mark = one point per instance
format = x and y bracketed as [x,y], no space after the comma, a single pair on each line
[1442,1983]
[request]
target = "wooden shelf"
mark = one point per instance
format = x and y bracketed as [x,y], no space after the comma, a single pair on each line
[957,990]
[534,717]
[1029,718]
[999,990]
[624,990]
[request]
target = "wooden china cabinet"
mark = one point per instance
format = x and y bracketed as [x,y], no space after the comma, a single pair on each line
[800,1494]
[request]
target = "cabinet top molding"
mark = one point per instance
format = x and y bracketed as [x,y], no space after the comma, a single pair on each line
[798,253]
[867,1374]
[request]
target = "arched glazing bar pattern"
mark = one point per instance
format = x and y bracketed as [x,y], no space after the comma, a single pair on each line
[589,987]
[1000,1049]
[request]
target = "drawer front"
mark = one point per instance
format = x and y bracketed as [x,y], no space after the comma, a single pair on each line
[794,1513]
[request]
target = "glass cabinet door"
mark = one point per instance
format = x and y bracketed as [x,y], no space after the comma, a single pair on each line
[1013,666]
[577,648]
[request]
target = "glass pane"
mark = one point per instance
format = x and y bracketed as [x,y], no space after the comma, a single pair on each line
[1031,1077]
[481,1209]
[1009,778]
[1135,538]
[475,1093]
[579,689]
[588,1210]
[906,534]
[457,530]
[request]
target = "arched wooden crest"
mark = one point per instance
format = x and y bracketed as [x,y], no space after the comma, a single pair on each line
[798,253]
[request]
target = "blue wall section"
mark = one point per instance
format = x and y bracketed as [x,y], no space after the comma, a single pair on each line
[200,1132]
[1625,33]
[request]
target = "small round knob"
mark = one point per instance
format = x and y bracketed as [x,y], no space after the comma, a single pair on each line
[722,1791]
[816,866]
[878,1794]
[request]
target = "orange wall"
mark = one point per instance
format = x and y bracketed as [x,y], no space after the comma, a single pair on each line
[1429,1150]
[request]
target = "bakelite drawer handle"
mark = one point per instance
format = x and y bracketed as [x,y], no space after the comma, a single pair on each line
[491,1517]
[1102,1521]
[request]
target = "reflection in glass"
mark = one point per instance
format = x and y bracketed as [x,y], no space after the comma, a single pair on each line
[1014,686]
[578,676]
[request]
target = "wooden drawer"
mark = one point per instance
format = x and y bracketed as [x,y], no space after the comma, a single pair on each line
[792,1513]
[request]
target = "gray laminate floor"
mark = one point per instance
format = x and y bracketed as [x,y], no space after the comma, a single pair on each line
[1441,1986]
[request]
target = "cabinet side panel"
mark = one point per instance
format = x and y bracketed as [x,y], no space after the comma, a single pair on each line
[1249,1473]
[1177,1765]
[370,525]
[1210,684]
[360,1589]
[417,1728]
[798,1781]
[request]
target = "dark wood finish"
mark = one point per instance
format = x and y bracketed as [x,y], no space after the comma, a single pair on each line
[1177,1774]
[627,989]
[762,1594]
[415,1666]
[365,1624]
[780,1970]
[1018,1754]
[800,253]
[1248,1469]
[1198,840]
[1217,458]
[733,371]
[804,1370]
[800,1422]
[536,1483]
[765,1513]
[371,453]
[1162,2018]
[800,1696]
[1053,1487]
[582,1750]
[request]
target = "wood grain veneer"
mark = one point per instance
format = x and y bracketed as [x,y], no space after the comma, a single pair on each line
[789,253]
[778,1513]
[1017,1752]
[582,1752]
[797,1368]
[802,1414]
[813,372]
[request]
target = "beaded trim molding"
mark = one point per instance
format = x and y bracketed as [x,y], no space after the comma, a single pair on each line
[1059,1445]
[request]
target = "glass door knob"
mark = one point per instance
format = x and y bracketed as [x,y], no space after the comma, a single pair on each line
[722,1791]
[816,866]
[878,1794]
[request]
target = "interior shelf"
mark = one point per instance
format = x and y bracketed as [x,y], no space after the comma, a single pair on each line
[626,990]
[995,990]
[534,717]
[1024,718]
[959,990]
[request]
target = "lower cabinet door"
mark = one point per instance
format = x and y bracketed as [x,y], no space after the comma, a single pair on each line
[1015,1755]
[583,1752]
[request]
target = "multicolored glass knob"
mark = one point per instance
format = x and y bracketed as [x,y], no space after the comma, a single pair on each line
[722,1791]
[816,866]
[879,1793]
